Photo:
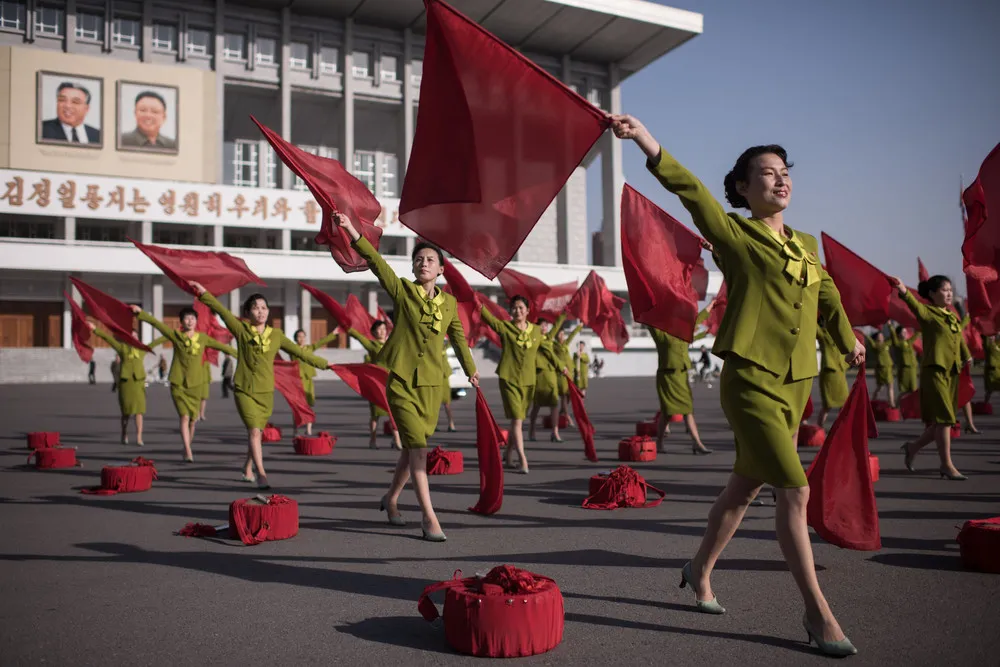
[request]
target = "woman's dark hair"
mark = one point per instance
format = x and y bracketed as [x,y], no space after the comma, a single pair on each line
[375,325]
[188,311]
[251,300]
[740,172]
[424,244]
[514,299]
[932,284]
[297,332]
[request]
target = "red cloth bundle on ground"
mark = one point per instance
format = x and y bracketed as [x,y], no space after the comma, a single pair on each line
[624,487]
[132,478]
[582,421]
[271,433]
[885,412]
[318,445]
[81,332]
[637,448]
[509,613]
[811,435]
[874,466]
[646,429]
[982,408]
[256,520]
[979,542]
[218,272]
[443,462]
[563,421]
[288,382]
[50,458]
[909,405]
[489,439]
[43,439]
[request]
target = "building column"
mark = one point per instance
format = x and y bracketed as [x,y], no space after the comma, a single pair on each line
[612,180]
[291,324]
[347,141]
[220,92]
[408,103]
[285,181]
[69,229]
[305,313]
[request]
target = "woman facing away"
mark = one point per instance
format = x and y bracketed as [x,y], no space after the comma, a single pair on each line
[767,338]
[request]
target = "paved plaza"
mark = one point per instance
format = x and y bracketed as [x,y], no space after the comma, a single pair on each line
[94,580]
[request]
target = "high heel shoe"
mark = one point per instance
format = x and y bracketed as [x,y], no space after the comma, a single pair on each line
[432,537]
[907,457]
[701,451]
[839,649]
[704,606]
[397,520]
[957,477]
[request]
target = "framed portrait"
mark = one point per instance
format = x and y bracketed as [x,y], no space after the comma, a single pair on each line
[147,118]
[69,110]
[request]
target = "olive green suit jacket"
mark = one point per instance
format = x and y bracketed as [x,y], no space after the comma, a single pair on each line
[943,346]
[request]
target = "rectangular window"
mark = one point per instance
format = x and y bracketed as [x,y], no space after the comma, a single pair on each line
[329,58]
[199,41]
[267,50]
[361,67]
[299,55]
[12,15]
[125,32]
[245,163]
[364,168]
[236,46]
[389,180]
[322,151]
[389,68]
[49,21]
[417,73]
[164,37]
[90,26]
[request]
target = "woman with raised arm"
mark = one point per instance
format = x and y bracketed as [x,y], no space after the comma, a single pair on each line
[945,353]
[424,313]
[373,346]
[307,372]
[257,345]
[906,373]
[547,370]
[776,289]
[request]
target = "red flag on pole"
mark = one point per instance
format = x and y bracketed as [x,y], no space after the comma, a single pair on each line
[113,314]
[864,290]
[81,331]
[367,380]
[337,191]
[663,266]
[981,248]
[582,421]
[922,273]
[288,382]
[218,272]
[488,443]
[600,310]
[209,325]
[497,138]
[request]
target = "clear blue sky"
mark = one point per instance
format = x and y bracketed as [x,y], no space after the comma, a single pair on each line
[882,105]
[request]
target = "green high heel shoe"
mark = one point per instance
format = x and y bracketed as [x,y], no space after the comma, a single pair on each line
[838,649]
[704,606]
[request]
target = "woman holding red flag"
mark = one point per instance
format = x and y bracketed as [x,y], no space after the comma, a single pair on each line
[373,346]
[257,345]
[547,369]
[776,290]
[307,372]
[424,314]
[945,353]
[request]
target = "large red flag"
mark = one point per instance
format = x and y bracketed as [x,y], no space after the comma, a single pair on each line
[582,421]
[663,267]
[497,138]
[81,331]
[367,380]
[922,273]
[209,325]
[841,498]
[113,314]
[600,310]
[980,256]
[218,272]
[337,191]
[864,290]
[719,303]
[361,318]
[288,382]
[488,442]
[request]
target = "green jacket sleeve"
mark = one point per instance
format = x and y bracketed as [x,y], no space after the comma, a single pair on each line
[231,321]
[325,340]
[300,354]
[365,343]
[551,335]
[456,334]
[115,344]
[386,276]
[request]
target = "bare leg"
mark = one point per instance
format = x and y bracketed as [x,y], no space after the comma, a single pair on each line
[793,537]
[554,416]
[970,424]
[373,434]
[187,426]
[534,417]
[138,430]
[517,435]
[418,473]
[692,428]
[451,417]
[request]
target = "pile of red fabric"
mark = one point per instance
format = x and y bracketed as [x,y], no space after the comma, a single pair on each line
[135,477]
[443,462]
[637,448]
[256,520]
[623,487]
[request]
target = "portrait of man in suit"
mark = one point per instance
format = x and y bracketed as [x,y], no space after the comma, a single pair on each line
[150,112]
[76,106]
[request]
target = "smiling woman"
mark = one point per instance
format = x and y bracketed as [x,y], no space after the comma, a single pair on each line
[147,117]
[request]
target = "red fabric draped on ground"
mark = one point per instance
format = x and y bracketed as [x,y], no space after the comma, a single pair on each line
[336,190]
[981,248]
[81,331]
[497,138]
[218,272]
[864,290]
[209,325]
[489,439]
[582,421]
[841,498]
[288,382]
[367,380]
[663,267]
[600,310]
[109,311]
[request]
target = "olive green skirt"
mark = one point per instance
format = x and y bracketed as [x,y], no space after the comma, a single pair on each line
[674,392]
[546,389]
[938,395]
[187,401]
[516,399]
[991,379]
[883,376]
[255,409]
[764,411]
[833,388]
[414,409]
[132,396]
[908,377]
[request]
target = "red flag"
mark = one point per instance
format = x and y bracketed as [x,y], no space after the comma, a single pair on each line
[218,272]
[663,267]
[497,138]
[209,325]
[842,506]
[367,380]
[864,290]
[582,421]
[922,274]
[980,256]
[289,383]
[361,318]
[719,303]
[488,442]
[600,310]
[337,191]
[109,311]
[81,331]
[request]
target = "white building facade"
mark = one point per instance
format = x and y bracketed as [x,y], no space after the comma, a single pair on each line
[340,78]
